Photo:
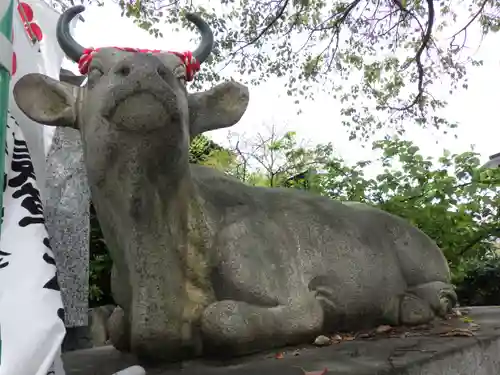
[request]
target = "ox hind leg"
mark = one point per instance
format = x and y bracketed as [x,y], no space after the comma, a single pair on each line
[236,328]
[421,304]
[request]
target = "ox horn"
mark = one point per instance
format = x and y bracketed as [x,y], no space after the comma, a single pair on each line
[204,49]
[74,50]
[69,46]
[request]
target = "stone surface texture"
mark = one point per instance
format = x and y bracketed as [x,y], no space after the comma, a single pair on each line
[68,222]
[204,264]
[426,354]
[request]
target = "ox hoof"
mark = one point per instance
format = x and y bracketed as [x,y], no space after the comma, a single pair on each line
[407,309]
[415,311]
[440,296]
[235,328]
[227,322]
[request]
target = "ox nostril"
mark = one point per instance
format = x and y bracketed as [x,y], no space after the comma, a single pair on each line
[123,70]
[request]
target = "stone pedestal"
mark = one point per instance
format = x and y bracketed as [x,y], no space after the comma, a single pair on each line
[444,349]
[66,208]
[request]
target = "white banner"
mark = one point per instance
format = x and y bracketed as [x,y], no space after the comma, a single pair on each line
[31,311]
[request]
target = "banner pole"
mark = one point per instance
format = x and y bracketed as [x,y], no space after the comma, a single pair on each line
[6,18]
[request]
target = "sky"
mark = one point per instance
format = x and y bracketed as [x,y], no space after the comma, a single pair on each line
[475,109]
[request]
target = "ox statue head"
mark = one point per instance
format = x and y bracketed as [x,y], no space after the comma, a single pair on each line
[134,102]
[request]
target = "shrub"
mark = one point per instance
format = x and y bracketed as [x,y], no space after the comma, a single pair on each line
[478,283]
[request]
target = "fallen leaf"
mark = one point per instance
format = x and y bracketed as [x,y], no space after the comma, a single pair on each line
[279,356]
[474,326]
[348,338]
[364,335]
[458,332]
[321,372]
[336,338]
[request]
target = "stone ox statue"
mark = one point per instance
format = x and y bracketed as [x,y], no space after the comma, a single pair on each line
[204,264]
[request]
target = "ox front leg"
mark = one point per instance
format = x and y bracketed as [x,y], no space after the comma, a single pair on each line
[158,318]
[160,329]
[170,289]
[236,328]
[151,320]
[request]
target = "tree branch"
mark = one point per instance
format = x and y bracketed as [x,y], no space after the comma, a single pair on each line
[473,18]
[426,39]
[278,15]
[479,238]
[459,186]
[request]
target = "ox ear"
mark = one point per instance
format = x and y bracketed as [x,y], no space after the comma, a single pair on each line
[46,100]
[220,107]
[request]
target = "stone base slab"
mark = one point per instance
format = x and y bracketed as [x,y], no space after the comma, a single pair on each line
[446,348]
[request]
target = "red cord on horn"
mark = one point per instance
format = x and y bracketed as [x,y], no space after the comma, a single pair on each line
[191,64]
